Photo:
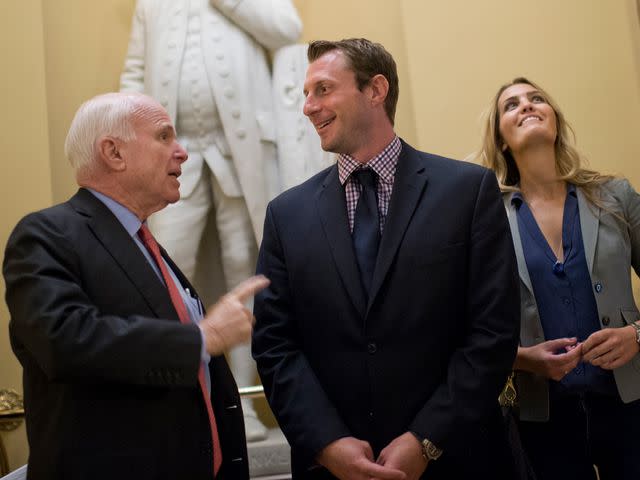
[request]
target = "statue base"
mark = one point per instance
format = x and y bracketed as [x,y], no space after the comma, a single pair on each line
[270,459]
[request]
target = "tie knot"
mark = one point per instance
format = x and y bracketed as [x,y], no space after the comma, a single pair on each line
[367,177]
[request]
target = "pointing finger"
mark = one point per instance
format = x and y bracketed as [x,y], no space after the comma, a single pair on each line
[248,288]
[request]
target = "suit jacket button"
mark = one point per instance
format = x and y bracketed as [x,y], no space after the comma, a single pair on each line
[372,348]
[598,287]
[605,321]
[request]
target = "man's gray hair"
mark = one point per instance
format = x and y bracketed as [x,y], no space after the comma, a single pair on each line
[108,114]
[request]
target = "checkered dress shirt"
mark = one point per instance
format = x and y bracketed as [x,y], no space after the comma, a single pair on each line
[384,164]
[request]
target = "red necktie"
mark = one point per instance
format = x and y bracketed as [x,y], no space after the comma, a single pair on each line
[176,299]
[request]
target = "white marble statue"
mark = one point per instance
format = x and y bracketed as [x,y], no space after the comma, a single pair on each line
[205,61]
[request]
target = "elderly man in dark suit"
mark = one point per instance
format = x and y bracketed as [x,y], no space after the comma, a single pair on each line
[123,371]
[391,320]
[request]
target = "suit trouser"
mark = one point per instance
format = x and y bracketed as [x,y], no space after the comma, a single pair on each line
[179,228]
[582,431]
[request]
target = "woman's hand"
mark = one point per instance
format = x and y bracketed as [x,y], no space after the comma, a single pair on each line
[610,348]
[544,359]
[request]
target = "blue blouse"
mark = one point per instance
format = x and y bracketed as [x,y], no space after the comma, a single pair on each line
[563,292]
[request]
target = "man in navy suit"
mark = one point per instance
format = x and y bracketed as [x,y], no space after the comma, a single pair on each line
[391,320]
[124,374]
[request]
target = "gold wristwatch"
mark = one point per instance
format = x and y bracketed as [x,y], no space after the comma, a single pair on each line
[637,327]
[429,450]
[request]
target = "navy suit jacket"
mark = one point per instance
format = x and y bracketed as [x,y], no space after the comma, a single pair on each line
[430,349]
[110,374]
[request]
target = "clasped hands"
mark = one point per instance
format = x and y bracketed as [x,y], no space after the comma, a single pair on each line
[349,458]
[608,348]
[229,322]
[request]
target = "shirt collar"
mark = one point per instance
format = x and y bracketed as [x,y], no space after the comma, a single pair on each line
[384,163]
[126,217]
[516,199]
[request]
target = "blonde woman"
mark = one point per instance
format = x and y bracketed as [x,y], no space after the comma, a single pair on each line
[576,235]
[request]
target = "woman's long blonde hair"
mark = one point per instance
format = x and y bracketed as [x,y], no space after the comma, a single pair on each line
[568,159]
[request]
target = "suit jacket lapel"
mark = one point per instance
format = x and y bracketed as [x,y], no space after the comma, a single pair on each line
[184,281]
[409,183]
[112,235]
[517,242]
[589,221]
[332,209]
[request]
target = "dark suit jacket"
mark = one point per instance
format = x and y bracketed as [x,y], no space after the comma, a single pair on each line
[110,374]
[430,350]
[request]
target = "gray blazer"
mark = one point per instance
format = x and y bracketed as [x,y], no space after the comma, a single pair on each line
[611,248]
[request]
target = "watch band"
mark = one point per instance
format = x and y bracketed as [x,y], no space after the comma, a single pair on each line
[637,327]
[429,450]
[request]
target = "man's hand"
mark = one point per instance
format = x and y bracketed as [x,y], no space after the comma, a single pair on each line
[544,360]
[405,454]
[611,347]
[229,322]
[351,459]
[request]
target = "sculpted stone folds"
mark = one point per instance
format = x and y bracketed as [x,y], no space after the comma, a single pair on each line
[205,61]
